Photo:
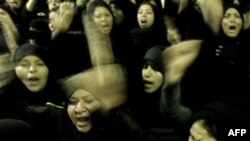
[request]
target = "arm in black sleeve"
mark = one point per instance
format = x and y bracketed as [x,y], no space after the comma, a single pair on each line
[171,106]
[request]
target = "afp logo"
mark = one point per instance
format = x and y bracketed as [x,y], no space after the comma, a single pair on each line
[237,132]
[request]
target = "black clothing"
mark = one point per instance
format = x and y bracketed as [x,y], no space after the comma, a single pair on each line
[220,70]
[143,39]
[21,18]
[15,98]
[11,129]
[226,114]
[143,117]
[59,124]
[69,54]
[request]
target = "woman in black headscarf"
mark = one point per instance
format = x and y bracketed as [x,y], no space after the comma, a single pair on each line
[217,120]
[156,114]
[33,84]
[222,60]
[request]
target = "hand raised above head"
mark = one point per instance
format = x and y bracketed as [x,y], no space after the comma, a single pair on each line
[178,58]
[106,82]
[67,7]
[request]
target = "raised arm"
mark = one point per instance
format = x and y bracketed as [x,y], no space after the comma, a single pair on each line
[177,59]
[66,15]
[9,30]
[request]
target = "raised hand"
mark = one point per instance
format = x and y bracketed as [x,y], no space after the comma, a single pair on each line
[105,80]
[66,14]
[9,31]
[178,58]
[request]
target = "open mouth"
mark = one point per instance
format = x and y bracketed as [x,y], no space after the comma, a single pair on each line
[82,121]
[233,30]
[33,80]
[106,27]
[232,27]
[143,22]
[147,83]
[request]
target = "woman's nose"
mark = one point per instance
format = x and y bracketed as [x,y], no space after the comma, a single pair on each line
[143,14]
[32,68]
[232,19]
[148,71]
[80,107]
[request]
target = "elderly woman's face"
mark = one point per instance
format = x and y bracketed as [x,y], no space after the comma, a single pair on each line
[14,4]
[232,23]
[80,107]
[103,19]
[33,73]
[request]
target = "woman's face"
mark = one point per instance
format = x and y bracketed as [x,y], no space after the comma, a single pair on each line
[199,133]
[81,105]
[145,16]
[173,36]
[103,19]
[118,13]
[14,4]
[33,73]
[232,23]
[152,77]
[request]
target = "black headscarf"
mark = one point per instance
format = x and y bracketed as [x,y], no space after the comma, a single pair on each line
[31,49]
[221,33]
[154,54]
[225,115]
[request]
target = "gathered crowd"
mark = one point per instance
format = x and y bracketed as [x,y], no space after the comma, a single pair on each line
[119,70]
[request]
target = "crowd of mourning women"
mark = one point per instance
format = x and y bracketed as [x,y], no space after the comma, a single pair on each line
[119,70]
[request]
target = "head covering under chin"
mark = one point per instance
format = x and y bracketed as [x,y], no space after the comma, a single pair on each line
[31,49]
[154,54]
